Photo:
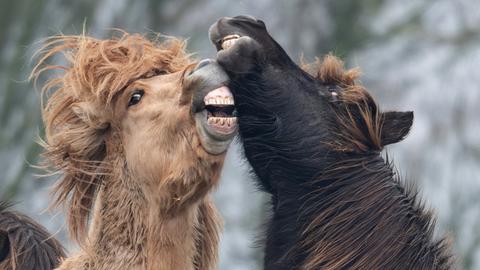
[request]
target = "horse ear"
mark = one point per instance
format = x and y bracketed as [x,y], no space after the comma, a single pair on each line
[396,126]
[4,245]
[89,114]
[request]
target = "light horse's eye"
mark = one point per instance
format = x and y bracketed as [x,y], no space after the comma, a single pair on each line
[136,97]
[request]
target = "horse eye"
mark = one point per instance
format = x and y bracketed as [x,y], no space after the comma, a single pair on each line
[136,97]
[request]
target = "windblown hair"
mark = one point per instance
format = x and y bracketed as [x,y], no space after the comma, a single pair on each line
[77,111]
[341,225]
[25,245]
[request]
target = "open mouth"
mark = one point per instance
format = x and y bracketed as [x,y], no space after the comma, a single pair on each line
[220,111]
[216,120]
[213,107]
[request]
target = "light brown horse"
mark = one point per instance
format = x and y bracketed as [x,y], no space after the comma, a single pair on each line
[138,150]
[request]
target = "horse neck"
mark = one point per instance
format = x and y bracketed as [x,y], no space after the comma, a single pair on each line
[358,208]
[129,231]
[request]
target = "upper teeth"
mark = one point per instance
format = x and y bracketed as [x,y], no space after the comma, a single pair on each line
[219,100]
[228,41]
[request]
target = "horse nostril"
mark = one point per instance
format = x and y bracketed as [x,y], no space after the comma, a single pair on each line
[203,63]
[246,18]
[224,20]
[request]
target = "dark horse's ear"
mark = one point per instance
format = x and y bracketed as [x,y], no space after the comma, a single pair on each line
[4,245]
[396,126]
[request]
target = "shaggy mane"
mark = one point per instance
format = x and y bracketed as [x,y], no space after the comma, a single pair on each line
[77,110]
[359,129]
[355,134]
[378,181]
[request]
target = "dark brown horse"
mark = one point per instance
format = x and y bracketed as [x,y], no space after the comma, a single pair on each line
[314,141]
[25,244]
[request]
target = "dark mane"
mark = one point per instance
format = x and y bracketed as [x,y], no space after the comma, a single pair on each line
[346,215]
[344,199]
[25,244]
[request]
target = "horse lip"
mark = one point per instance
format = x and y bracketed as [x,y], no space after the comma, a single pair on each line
[205,80]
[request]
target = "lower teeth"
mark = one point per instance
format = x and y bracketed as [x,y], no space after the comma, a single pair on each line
[222,121]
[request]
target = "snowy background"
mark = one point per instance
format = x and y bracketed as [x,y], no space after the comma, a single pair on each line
[420,55]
